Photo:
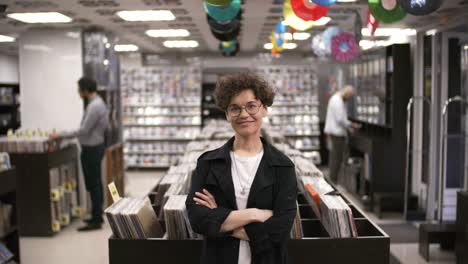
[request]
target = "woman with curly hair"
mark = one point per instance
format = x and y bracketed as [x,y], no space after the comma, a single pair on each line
[243,195]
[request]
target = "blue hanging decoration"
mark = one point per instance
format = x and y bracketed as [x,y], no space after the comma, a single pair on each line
[420,7]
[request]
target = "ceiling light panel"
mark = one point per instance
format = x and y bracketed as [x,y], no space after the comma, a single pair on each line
[167,33]
[40,17]
[4,38]
[180,44]
[147,15]
[125,47]
[387,32]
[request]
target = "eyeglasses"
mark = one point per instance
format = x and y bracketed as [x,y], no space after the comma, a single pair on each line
[251,108]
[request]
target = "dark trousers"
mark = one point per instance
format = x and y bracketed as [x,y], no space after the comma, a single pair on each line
[338,148]
[91,157]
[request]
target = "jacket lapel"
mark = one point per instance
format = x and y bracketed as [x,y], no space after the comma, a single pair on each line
[222,172]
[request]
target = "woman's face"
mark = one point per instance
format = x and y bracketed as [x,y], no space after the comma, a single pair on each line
[245,113]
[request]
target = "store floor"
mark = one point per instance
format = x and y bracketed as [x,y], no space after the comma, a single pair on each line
[72,247]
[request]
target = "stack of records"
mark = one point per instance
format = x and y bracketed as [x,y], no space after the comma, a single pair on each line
[133,218]
[335,214]
[6,216]
[177,222]
[337,217]
[296,231]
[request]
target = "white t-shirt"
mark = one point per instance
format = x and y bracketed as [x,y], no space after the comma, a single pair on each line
[244,170]
[336,122]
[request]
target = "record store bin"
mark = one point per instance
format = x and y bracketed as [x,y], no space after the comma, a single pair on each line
[370,247]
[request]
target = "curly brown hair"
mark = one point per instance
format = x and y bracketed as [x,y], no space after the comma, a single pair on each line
[231,85]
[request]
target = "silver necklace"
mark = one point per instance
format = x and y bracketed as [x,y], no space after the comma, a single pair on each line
[250,176]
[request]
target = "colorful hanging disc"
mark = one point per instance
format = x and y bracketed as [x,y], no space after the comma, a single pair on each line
[226,36]
[223,13]
[386,11]
[224,26]
[420,7]
[275,44]
[344,47]
[218,2]
[280,30]
[328,35]
[324,2]
[232,51]
[318,47]
[307,10]
[292,20]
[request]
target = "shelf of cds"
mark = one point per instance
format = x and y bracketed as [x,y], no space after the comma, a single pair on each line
[9,235]
[161,113]
[48,196]
[10,117]
[296,107]
[328,228]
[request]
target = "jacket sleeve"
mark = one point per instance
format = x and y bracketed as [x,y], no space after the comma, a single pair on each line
[204,220]
[274,233]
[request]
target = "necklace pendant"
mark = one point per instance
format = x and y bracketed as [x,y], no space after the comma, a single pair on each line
[242,192]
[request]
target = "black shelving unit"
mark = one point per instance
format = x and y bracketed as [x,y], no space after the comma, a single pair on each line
[9,107]
[371,246]
[34,191]
[382,138]
[462,227]
[8,195]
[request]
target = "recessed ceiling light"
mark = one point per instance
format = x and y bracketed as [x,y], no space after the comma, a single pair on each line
[167,33]
[431,32]
[322,21]
[125,47]
[290,45]
[4,38]
[180,43]
[465,47]
[41,17]
[268,46]
[346,1]
[146,15]
[297,36]
[387,32]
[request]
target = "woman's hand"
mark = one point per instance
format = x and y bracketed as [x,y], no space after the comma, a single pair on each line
[205,199]
[261,215]
[240,234]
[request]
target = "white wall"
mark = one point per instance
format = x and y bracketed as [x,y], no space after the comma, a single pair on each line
[9,69]
[50,66]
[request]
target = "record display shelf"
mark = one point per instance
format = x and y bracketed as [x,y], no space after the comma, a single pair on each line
[383,88]
[296,107]
[10,236]
[161,106]
[47,190]
[371,246]
[10,117]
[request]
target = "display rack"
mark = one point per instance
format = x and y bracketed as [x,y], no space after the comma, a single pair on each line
[371,246]
[209,108]
[161,113]
[9,107]
[383,83]
[10,238]
[47,190]
[296,107]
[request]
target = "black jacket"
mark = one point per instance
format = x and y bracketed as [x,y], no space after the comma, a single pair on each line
[274,188]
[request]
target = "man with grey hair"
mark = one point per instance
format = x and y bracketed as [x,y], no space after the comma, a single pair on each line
[336,128]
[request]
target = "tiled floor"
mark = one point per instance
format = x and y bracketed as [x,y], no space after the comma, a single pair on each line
[72,247]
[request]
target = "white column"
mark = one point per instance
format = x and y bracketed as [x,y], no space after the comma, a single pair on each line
[50,66]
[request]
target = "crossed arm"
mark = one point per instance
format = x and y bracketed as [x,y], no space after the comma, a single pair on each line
[237,219]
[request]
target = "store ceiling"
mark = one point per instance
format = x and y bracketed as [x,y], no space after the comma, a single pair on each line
[259,18]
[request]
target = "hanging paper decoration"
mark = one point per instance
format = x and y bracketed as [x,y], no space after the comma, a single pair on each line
[229,48]
[324,2]
[276,45]
[328,35]
[220,3]
[420,7]
[292,20]
[228,36]
[386,11]
[307,10]
[223,13]
[372,23]
[344,47]
[357,26]
[280,30]
[224,26]
[318,46]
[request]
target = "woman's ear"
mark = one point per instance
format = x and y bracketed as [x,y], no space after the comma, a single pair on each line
[265,111]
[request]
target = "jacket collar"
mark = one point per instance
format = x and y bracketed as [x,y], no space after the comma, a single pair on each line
[272,156]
